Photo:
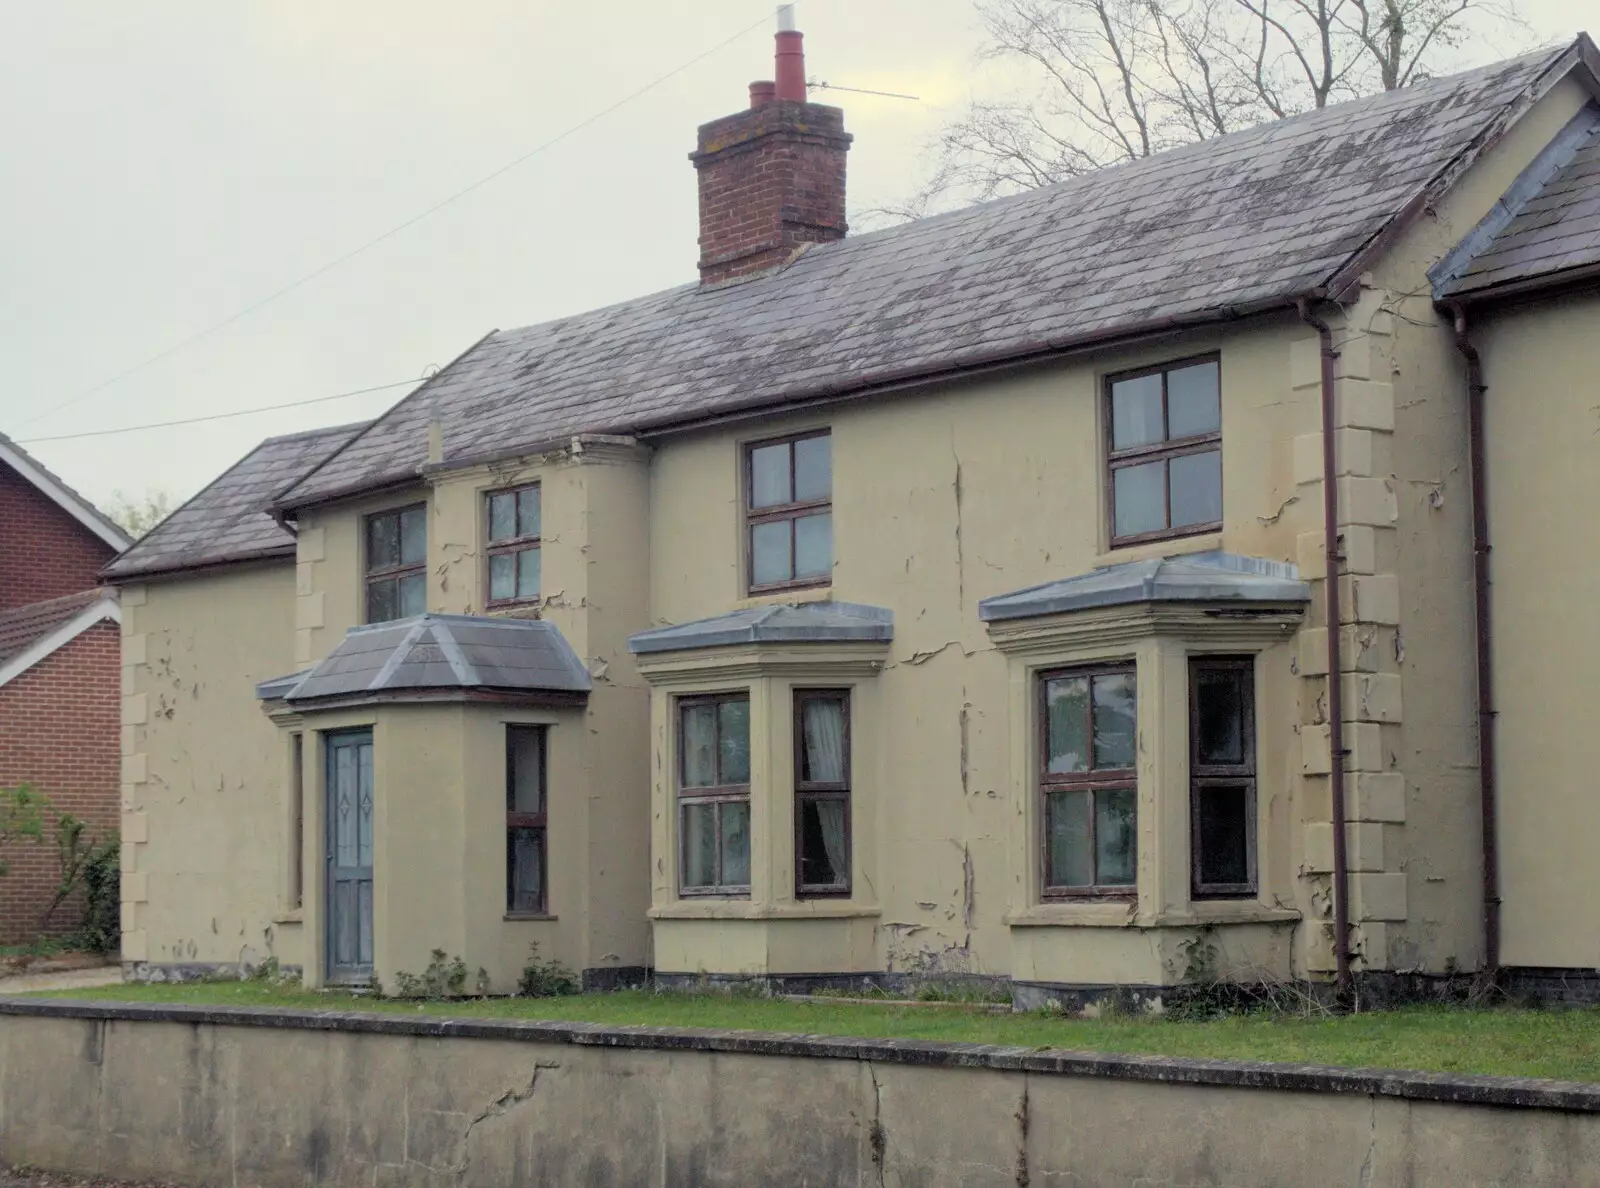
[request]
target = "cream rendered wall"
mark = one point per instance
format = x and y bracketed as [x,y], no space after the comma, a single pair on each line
[1543,455]
[206,812]
[942,499]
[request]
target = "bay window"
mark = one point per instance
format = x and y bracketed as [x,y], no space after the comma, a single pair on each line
[714,794]
[822,792]
[1088,785]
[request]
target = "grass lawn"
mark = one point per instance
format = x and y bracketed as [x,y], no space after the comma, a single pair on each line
[1563,1043]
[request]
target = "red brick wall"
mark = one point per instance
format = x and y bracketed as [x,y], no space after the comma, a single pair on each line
[60,731]
[44,552]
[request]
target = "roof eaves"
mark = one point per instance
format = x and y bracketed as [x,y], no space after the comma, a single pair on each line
[95,612]
[75,505]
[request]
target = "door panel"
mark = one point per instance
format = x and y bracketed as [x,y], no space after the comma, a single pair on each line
[349,849]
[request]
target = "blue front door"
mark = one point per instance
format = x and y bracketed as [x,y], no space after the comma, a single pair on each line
[349,847]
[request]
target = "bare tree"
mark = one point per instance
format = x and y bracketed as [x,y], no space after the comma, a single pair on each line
[1105,81]
[138,514]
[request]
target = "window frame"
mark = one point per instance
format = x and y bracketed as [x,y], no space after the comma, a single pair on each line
[518,820]
[1160,451]
[297,821]
[513,545]
[1093,781]
[717,794]
[806,790]
[394,573]
[1223,775]
[791,511]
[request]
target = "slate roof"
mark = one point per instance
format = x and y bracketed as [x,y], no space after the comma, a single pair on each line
[23,626]
[806,622]
[1197,577]
[440,654]
[1547,223]
[228,520]
[1233,225]
[74,504]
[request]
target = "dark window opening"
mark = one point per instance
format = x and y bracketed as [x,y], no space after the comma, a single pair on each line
[514,537]
[1089,788]
[789,513]
[1164,426]
[527,880]
[714,794]
[397,555]
[822,792]
[1222,776]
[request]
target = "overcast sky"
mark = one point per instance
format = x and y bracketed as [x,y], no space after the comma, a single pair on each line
[167,163]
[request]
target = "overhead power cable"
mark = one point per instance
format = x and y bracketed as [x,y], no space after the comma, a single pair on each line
[242,412]
[285,290]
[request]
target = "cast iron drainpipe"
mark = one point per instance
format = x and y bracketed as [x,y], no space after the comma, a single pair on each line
[1330,528]
[1487,781]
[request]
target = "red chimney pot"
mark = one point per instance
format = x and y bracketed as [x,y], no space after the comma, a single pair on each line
[762,93]
[791,66]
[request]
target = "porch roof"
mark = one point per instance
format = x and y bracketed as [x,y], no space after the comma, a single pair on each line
[432,654]
[805,622]
[1198,577]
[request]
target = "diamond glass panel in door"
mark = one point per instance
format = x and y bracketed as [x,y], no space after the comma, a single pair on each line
[822,792]
[788,510]
[397,553]
[350,796]
[714,794]
[1088,784]
[1222,774]
[1165,451]
[514,526]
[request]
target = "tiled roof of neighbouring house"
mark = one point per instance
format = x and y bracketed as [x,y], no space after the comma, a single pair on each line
[23,626]
[1233,225]
[1547,224]
[228,520]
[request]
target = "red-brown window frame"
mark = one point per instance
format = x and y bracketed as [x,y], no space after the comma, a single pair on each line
[714,794]
[794,510]
[1092,781]
[513,545]
[822,790]
[392,573]
[517,820]
[1224,775]
[1164,450]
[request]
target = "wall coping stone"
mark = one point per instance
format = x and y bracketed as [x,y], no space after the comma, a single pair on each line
[1452,1088]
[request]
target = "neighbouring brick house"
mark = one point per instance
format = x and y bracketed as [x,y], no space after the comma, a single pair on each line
[60,655]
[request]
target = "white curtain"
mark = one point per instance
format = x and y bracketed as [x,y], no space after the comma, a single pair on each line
[824,731]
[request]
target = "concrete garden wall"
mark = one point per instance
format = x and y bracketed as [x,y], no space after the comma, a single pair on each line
[255,1097]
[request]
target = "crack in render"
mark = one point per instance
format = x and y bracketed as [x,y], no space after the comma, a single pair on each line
[878,1138]
[498,1108]
[1023,1117]
[961,568]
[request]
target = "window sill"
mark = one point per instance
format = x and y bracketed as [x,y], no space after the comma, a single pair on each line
[724,909]
[815,592]
[1172,546]
[1120,914]
[529,916]
[1126,915]
[294,916]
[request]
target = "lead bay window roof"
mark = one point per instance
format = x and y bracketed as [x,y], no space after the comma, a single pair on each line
[1198,577]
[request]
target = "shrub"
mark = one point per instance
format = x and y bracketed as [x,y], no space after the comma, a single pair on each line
[445,977]
[545,979]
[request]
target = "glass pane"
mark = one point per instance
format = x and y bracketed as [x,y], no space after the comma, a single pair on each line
[769,553]
[414,536]
[736,843]
[1219,715]
[1067,724]
[1224,834]
[769,475]
[1193,401]
[734,741]
[525,870]
[503,576]
[1136,412]
[813,468]
[528,512]
[824,858]
[822,726]
[813,546]
[528,573]
[1115,721]
[364,805]
[382,601]
[1116,847]
[1197,488]
[345,829]
[699,844]
[699,745]
[502,517]
[383,542]
[1140,496]
[413,595]
[1068,862]
[525,747]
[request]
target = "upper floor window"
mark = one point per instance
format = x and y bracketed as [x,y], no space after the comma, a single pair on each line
[526,851]
[1088,786]
[513,545]
[789,512]
[397,554]
[714,794]
[822,792]
[1166,451]
[1222,777]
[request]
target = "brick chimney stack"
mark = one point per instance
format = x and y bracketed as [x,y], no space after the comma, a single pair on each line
[772,176]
